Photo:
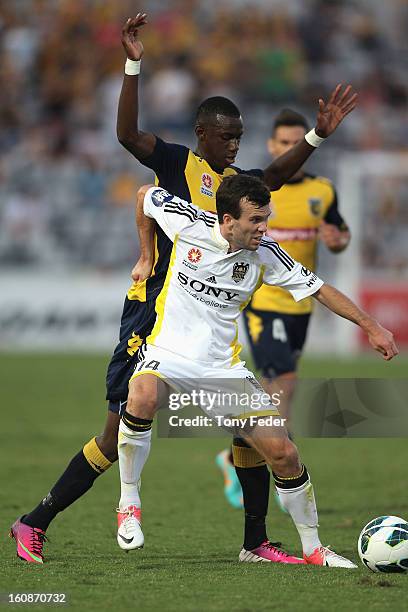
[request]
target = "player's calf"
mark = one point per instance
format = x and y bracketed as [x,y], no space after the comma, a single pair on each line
[108,441]
[79,476]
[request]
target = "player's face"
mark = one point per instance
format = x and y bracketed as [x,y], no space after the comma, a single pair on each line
[247,231]
[285,138]
[219,142]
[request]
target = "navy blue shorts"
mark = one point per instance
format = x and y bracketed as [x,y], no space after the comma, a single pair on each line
[276,340]
[136,324]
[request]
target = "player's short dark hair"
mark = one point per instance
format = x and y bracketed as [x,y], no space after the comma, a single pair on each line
[289,118]
[217,105]
[234,188]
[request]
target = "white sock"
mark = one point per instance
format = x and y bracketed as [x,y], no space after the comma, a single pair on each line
[301,505]
[133,451]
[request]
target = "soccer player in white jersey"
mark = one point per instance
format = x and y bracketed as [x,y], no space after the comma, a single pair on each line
[215,267]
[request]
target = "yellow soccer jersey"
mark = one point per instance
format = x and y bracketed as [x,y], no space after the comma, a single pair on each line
[297,210]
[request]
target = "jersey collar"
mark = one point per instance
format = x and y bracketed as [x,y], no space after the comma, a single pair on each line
[219,238]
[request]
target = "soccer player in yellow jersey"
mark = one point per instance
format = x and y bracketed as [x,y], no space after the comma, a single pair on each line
[304,211]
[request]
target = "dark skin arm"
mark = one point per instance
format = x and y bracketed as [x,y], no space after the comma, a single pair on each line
[140,144]
[329,116]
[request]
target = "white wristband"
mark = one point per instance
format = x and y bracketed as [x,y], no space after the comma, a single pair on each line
[313,139]
[132,67]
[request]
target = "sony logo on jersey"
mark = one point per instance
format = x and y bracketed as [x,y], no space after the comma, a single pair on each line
[207,289]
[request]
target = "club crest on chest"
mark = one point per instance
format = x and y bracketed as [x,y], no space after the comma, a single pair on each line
[239,270]
[315,206]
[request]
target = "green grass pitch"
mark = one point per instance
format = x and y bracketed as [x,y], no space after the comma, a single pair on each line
[51,405]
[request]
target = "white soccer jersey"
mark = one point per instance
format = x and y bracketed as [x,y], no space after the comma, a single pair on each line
[207,287]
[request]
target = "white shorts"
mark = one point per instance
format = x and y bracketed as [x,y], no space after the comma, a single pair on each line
[218,391]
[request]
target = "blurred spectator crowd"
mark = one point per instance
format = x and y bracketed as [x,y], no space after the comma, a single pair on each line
[67,187]
[384,239]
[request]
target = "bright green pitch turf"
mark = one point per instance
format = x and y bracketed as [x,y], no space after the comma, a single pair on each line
[51,405]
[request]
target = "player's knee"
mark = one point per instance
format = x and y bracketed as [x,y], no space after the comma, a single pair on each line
[141,405]
[133,398]
[292,460]
[285,456]
[279,451]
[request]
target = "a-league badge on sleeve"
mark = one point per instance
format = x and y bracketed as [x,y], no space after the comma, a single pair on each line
[160,196]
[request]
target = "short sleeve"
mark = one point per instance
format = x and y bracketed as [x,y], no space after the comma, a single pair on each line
[172,213]
[167,160]
[333,215]
[283,271]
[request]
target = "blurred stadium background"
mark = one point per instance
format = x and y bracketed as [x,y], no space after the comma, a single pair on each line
[67,238]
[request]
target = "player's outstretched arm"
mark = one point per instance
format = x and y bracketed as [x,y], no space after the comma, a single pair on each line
[329,116]
[146,229]
[380,338]
[140,144]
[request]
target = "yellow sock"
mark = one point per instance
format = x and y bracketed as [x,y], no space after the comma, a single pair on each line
[95,457]
[246,457]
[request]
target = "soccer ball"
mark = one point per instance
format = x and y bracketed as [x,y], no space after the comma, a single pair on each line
[383,545]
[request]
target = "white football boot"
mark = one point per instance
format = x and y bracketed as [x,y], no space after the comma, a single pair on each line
[130,534]
[322,555]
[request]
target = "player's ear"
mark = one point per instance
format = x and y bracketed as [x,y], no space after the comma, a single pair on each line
[227,218]
[200,132]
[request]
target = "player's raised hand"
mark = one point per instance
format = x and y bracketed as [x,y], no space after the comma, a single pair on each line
[332,113]
[131,44]
[383,341]
[142,270]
